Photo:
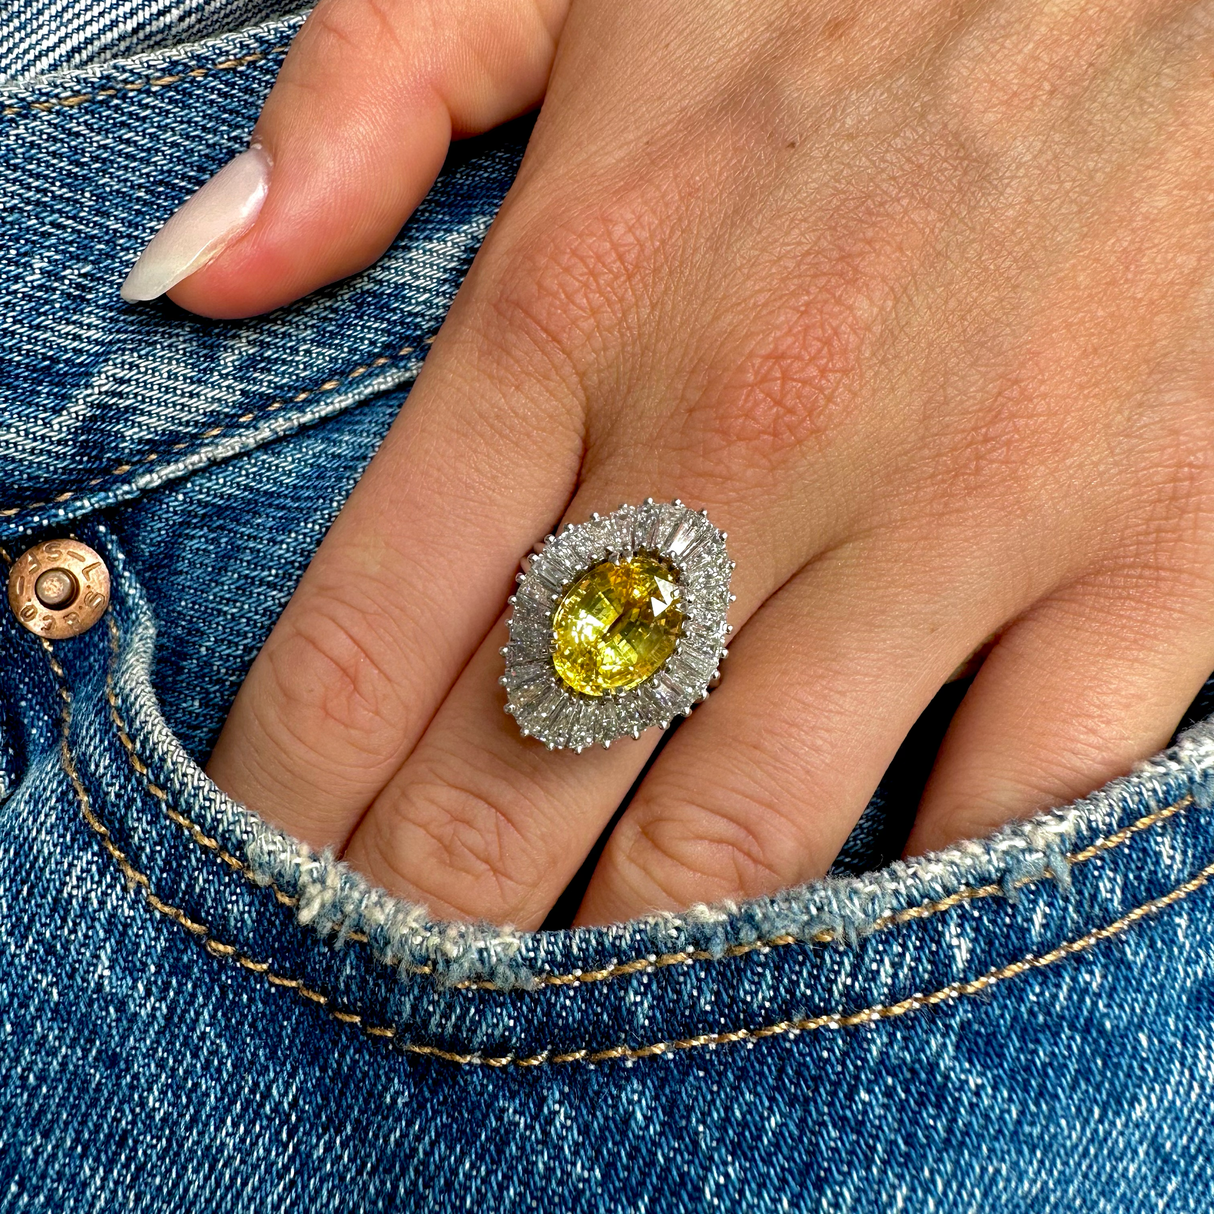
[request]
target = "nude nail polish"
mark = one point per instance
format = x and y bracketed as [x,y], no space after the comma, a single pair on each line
[221,210]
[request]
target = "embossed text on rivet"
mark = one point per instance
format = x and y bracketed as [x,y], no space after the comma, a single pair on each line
[59,588]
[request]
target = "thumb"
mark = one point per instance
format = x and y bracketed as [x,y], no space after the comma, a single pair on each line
[350,139]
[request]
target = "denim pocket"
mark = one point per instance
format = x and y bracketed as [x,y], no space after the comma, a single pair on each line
[972,1030]
[885,945]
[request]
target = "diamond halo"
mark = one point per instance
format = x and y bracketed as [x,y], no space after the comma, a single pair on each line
[541,702]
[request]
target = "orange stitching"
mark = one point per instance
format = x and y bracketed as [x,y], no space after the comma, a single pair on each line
[648,964]
[836,1020]
[329,385]
[156,82]
[620,969]
[195,832]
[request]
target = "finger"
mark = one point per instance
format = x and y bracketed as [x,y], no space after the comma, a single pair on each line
[408,581]
[761,789]
[350,140]
[482,823]
[1087,683]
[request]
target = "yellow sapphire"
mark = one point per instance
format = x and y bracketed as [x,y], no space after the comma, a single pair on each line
[616,625]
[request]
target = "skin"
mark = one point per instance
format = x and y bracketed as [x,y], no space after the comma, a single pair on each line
[916,298]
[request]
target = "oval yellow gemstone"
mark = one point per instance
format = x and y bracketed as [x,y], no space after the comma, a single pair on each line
[616,625]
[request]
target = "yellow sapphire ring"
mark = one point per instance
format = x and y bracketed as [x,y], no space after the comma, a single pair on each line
[618,624]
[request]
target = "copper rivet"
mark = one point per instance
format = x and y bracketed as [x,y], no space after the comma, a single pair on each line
[56,588]
[59,589]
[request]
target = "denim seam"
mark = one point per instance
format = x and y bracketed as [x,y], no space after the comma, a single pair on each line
[329,385]
[196,833]
[832,1020]
[155,82]
[617,969]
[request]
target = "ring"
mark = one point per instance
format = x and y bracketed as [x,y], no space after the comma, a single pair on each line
[618,624]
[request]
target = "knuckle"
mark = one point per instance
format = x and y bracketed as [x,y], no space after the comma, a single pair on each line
[567,282]
[996,443]
[785,383]
[1179,471]
[333,695]
[1165,521]
[1143,486]
[475,853]
[692,854]
[360,25]
[995,459]
[783,394]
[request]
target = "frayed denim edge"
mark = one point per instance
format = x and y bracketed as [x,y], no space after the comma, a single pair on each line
[337,902]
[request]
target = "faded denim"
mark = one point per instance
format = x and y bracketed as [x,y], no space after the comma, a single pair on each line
[198,1014]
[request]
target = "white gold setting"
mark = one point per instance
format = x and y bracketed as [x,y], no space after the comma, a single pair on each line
[543,704]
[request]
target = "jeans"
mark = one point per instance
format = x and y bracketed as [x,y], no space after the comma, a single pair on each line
[198,1013]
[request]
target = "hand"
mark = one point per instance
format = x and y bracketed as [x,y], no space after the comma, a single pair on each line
[917,302]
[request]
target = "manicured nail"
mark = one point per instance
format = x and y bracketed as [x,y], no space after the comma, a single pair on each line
[221,210]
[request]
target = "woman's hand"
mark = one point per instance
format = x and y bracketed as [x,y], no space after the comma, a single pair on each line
[917,300]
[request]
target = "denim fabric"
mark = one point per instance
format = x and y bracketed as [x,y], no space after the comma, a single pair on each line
[199,1014]
[41,36]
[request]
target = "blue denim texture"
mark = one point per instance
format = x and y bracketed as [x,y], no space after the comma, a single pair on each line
[199,1014]
[41,36]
